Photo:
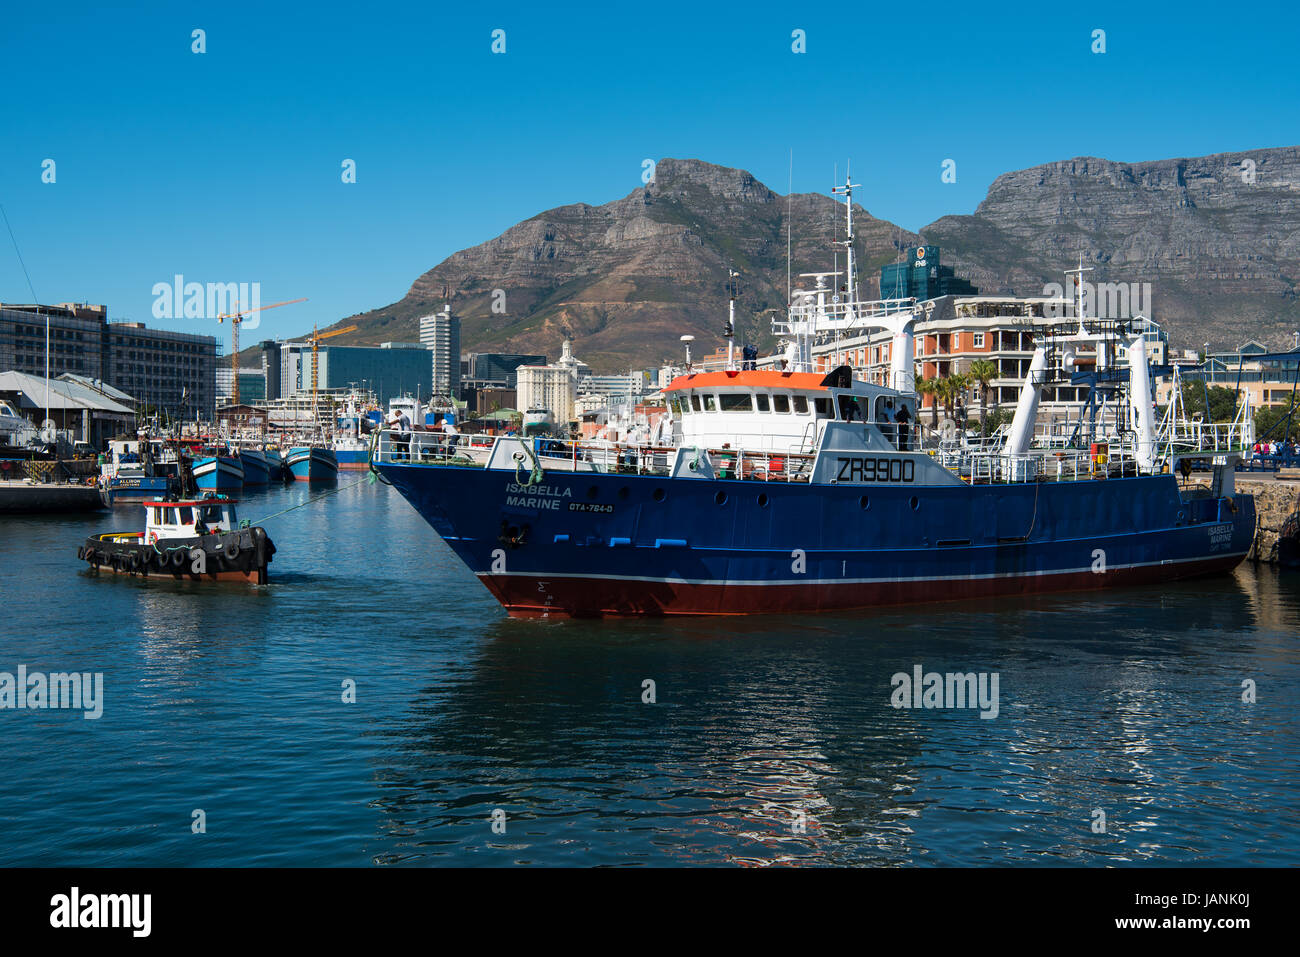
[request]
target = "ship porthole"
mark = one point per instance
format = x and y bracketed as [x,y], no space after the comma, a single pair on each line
[592,492]
[762,500]
[660,495]
[915,503]
[864,503]
[721,498]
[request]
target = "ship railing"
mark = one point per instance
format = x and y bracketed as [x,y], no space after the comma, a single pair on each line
[567,455]
[807,313]
[432,447]
[1047,465]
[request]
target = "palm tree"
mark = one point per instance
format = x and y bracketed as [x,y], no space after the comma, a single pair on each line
[983,372]
[930,387]
[950,389]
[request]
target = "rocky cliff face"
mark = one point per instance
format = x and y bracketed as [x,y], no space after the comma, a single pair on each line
[1218,238]
[625,280]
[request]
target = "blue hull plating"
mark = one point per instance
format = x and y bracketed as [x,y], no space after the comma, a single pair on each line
[312,465]
[256,468]
[218,474]
[600,544]
[121,489]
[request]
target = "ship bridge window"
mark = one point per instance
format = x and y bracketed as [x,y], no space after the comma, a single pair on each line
[781,403]
[823,407]
[801,404]
[710,402]
[209,514]
[186,515]
[695,403]
[736,402]
[850,411]
[764,402]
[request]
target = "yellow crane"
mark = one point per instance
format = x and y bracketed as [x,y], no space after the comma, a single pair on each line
[235,319]
[315,339]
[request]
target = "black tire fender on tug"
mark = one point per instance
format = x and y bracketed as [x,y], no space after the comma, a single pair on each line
[231,549]
[176,557]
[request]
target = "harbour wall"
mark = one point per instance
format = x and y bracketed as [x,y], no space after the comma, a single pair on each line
[1274,500]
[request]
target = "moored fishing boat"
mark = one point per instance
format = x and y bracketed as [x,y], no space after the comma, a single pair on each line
[798,489]
[312,464]
[197,539]
[256,466]
[218,472]
[351,452]
[276,472]
[137,469]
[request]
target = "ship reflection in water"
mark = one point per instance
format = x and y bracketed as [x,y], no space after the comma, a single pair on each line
[771,740]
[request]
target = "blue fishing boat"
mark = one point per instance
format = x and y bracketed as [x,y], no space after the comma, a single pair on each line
[256,466]
[275,468]
[797,489]
[218,473]
[312,464]
[137,468]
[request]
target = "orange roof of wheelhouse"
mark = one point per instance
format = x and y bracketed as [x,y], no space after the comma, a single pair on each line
[754,378]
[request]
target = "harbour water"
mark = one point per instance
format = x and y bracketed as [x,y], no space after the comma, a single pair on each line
[770,740]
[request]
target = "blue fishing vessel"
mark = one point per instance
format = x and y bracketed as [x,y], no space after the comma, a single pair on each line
[275,468]
[257,468]
[218,472]
[793,489]
[137,468]
[312,464]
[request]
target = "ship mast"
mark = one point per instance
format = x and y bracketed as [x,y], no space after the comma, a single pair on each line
[850,268]
[733,289]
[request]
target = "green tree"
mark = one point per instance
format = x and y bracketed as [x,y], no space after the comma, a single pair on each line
[950,389]
[930,388]
[982,373]
[1267,419]
[1223,401]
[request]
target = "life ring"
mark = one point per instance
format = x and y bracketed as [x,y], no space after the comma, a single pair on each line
[231,550]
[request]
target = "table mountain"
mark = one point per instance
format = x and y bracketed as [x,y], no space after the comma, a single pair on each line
[624,280]
[1218,238]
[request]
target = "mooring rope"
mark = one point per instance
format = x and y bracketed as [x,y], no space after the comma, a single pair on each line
[315,498]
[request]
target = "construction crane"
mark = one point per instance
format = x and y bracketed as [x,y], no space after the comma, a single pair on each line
[315,339]
[236,318]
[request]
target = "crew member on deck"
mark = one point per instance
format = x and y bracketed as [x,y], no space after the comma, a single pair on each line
[903,417]
[401,424]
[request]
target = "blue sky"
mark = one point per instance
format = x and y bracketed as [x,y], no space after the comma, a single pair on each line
[225,166]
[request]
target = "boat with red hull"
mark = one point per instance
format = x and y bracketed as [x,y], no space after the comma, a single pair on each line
[797,488]
[195,540]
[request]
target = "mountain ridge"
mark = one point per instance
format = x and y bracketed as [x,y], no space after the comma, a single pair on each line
[625,279]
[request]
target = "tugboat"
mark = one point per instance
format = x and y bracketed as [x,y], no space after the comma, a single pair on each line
[196,539]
